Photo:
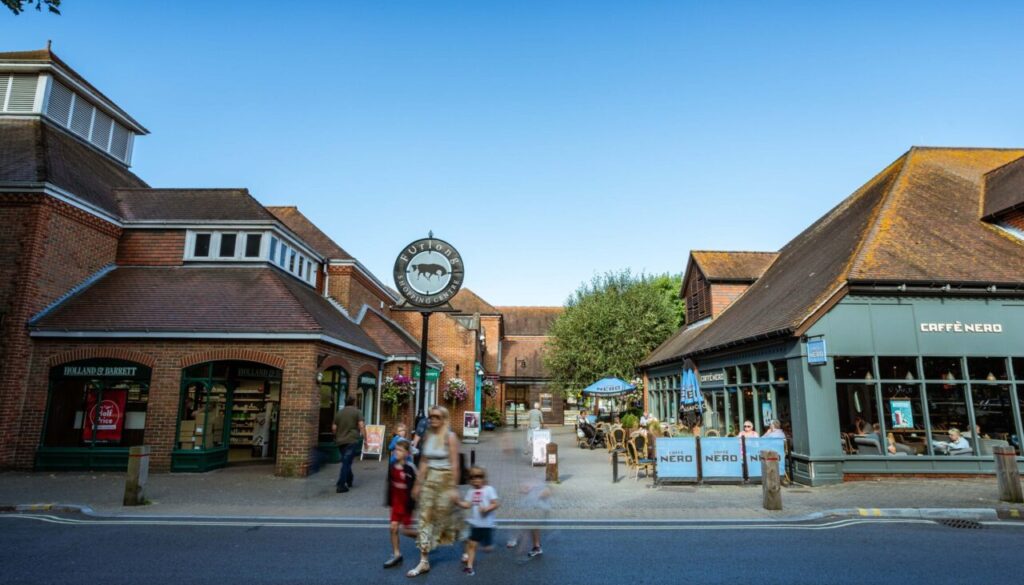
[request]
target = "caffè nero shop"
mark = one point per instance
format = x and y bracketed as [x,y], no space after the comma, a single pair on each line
[887,338]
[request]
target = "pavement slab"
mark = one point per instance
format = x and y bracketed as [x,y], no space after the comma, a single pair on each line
[586,491]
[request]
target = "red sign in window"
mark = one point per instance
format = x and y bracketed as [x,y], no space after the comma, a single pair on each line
[107,416]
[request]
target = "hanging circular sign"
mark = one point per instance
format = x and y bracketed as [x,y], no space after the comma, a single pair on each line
[429,272]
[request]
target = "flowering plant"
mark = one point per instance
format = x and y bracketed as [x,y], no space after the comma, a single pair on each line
[396,391]
[456,390]
[639,383]
[489,388]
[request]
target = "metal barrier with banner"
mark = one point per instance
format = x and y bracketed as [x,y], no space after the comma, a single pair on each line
[676,459]
[721,459]
[753,450]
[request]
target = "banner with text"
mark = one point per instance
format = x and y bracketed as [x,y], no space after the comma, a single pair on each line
[374,442]
[754,448]
[107,416]
[721,458]
[676,458]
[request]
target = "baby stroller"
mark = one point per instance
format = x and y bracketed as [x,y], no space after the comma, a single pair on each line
[588,436]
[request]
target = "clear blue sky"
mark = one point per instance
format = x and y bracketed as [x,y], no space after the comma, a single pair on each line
[548,141]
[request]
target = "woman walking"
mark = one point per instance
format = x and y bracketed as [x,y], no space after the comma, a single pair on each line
[435,488]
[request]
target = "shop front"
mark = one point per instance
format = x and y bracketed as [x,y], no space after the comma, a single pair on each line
[912,385]
[96,410]
[228,413]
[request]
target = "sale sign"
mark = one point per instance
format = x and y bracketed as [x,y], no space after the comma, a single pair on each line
[104,419]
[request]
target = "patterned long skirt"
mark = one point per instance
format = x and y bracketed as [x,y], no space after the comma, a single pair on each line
[438,523]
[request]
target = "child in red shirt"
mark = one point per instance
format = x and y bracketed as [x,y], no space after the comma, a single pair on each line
[401,477]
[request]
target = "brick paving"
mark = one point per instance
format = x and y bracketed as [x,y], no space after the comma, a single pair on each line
[586,490]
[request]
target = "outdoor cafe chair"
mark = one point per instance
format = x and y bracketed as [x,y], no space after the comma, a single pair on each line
[630,458]
[619,438]
[639,448]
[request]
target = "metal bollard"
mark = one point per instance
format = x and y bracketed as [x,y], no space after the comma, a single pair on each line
[472,457]
[615,465]
[138,474]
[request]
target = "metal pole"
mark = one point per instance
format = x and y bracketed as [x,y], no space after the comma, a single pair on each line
[515,384]
[423,365]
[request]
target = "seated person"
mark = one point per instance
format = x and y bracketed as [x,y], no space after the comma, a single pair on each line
[748,430]
[956,443]
[890,439]
[774,430]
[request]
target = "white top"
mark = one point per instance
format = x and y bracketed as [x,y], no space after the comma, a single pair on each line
[481,498]
[435,449]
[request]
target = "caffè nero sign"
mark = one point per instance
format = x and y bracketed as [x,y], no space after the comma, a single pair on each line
[959,327]
[429,272]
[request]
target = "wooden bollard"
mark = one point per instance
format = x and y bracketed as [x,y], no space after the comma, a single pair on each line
[138,475]
[771,487]
[1007,474]
[551,468]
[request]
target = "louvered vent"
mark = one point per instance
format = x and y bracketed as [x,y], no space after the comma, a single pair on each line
[22,95]
[120,141]
[101,130]
[5,82]
[81,117]
[59,107]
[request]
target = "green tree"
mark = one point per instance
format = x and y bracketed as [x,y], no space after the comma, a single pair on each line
[609,325]
[18,6]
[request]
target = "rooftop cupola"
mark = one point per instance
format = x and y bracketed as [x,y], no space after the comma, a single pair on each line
[39,84]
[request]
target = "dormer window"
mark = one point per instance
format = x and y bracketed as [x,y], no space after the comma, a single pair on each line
[241,246]
[252,245]
[227,245]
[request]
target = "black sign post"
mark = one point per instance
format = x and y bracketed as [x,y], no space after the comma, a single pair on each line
[428,274]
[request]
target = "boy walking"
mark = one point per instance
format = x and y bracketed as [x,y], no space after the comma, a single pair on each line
[482,501]
[401,478]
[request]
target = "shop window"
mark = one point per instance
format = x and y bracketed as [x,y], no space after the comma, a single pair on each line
[1018,369]
[993,417]
[853,368]
[732,412]
[252,245]
[203,410]
[897,368]
[781,409]
[333,389]
[903,420]
[748,405]
[987,369]
[942,368]
[858,414]
[714,411]
[227,245]
[947,410]
[92,404]
[201,248]
[730,375]
[761,372]
[366,396]
[743,373]
[780,371]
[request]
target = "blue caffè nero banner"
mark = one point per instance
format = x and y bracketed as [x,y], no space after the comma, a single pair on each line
[676,458]
[754,448]
[721,458]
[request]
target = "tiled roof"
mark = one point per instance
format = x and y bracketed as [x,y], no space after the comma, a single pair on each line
[530,349]
[391,338]
[468,302]
[32,151]
[204,300]
[528,320]
[915,222]
[307,230]
[719,266]
[190,205]
[673,347]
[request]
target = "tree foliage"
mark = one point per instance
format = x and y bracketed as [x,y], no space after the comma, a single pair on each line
[609,325]
[18,6]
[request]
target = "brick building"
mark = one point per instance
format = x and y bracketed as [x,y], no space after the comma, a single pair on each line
[195,321]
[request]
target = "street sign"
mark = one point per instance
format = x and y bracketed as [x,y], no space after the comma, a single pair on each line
[428,272]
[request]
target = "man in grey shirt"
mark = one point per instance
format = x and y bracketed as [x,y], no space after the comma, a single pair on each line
[349,430]
[535,420]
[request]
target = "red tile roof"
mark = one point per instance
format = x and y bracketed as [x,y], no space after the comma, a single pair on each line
[307,230]
[530,349]
[190,205]
[720,266]
[391,338]
[1004,189]
[202,300]
[529,320]
[468,302]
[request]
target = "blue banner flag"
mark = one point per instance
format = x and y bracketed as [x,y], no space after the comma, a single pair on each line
[676,458]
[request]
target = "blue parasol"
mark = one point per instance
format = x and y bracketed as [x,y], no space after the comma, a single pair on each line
[690,397]
[609,388]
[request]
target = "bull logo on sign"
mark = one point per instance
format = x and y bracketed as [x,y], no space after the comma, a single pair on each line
[429,271]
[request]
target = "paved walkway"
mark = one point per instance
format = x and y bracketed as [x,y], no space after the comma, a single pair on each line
[585,492]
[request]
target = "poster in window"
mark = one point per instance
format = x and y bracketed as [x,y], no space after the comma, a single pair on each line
[107,416]
[902,415]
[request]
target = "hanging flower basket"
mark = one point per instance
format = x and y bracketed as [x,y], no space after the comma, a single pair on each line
[456,391]
[396,391]
[489,388]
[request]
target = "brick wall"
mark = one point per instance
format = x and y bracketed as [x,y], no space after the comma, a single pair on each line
[491,326]
[53,247]
[722,295]
[151,248]
[352,290]
[300,399]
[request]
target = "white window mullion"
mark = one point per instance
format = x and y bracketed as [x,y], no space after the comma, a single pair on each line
[92,123]
[7,94]
[42,93]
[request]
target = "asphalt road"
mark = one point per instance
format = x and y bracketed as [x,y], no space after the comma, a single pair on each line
[62,549]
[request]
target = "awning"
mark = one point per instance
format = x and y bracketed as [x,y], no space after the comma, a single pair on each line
[609,387]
